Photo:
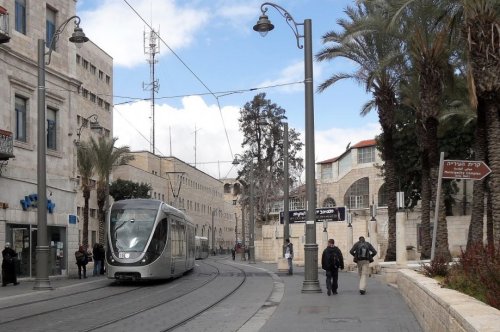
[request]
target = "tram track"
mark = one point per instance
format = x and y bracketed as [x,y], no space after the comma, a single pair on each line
[62,315]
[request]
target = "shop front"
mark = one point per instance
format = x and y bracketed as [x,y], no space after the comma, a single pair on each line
[23,238]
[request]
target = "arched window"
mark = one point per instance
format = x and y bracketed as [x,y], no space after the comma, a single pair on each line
[329,202]
[236,189]
[357,196]
[382,195]
[227,188]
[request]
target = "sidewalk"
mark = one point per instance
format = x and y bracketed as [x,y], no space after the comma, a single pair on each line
[286,308]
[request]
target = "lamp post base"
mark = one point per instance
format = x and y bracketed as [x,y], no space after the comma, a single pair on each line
[42,281]
[311,286]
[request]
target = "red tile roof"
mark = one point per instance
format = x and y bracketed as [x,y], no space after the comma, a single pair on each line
[360,144]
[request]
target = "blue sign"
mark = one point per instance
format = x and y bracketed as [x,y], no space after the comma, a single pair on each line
[72,219]
[32,201]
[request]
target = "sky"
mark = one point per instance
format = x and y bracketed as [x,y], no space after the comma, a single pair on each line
[210,63]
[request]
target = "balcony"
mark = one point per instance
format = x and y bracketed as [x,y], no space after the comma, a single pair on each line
[4,25]
[6,146]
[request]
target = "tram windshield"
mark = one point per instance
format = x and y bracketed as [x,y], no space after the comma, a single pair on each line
[130,228]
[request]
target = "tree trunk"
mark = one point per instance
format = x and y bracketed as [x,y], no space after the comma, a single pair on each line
[85,235]
[493,135]
[478,207]
[426,195]
[101,200]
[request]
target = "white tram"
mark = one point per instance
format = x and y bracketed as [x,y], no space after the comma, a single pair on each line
[148,239]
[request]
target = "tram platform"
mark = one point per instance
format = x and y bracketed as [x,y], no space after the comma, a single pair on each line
[274,302]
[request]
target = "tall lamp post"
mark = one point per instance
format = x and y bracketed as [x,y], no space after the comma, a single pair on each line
[286,190]
[263,26]
[42,281]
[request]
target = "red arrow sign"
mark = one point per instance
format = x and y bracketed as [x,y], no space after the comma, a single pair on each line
[465,169]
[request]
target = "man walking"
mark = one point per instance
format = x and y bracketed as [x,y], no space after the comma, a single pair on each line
[9,257]
[331,261]
[289,255]
[363,253]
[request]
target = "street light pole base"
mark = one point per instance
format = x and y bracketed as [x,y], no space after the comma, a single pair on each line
[42,284]
[311,286]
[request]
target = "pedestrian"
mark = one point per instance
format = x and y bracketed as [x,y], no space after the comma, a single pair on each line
[9,257]
[331,261]
[289,255]
[81,260]
[233,253]
[98,255]
[363,253]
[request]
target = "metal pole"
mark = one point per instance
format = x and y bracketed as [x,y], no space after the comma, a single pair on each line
[213,233]
[436,209]
[311,283]
[251,247]
[243,235]
[42,281]
[286,190]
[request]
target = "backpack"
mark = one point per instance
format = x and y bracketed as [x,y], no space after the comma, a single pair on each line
[363,251]
[80,257]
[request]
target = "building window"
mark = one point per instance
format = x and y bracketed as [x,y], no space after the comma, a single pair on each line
[101,74]
[21,106]
[366,155]
[51,129]
[20,11]
[326,171]
[85,93]
[108,79]
[99,102]
[78,59]
[92,213]
[106,106]
[329,202]
[382,196]
[357,196]
[92,69]
[345,163]
[50,27]
[92,97]
[85,64]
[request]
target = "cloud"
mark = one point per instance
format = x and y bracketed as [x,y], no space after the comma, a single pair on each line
[176,127]
[118,30]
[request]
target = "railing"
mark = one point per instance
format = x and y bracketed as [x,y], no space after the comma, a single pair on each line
[4,25]
[6,145]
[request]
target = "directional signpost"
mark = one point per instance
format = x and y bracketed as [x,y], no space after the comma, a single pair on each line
[456,169]
[465,169]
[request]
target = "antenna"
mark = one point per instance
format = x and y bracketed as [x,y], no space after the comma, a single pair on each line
[151,48]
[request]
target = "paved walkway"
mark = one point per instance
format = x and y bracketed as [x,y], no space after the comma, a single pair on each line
[284,307]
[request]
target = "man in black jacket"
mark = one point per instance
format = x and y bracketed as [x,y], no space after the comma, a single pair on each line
[9,257]
[331,261]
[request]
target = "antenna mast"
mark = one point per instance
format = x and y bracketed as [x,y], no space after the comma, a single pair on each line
[151,48]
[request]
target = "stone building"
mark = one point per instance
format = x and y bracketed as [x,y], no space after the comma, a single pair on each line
[67,109]
[187,188]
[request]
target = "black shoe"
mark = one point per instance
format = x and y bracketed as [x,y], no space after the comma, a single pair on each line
[329,292]
[3,285]
[334,293]
[16,283]
[362,292]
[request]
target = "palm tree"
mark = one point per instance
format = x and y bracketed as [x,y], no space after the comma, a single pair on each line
[481,31]
[365,41]
[428,45]
[85,161]
[106,156]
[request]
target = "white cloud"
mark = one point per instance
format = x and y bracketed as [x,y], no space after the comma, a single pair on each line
[176,126]
[118,30]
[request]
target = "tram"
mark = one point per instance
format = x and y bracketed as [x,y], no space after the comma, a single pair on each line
[200,247]
[148,239]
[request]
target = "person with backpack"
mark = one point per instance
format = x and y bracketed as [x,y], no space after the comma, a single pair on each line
[363,253]
[81,260]
[331,261]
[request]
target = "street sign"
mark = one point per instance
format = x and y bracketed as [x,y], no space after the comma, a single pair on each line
[465,169]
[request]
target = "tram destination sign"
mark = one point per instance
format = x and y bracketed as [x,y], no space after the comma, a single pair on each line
[322,214]
[465,169]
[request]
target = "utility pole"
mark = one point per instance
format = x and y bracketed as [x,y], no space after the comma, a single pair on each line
[151,48]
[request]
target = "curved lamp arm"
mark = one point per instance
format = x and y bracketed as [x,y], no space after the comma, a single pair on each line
[289,20]
[77,37]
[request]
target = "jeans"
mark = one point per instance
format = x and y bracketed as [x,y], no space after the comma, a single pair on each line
[97,267]
[332,279]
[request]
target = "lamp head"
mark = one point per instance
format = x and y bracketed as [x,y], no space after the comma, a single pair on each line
[263,25]
[236,161]
[78,36]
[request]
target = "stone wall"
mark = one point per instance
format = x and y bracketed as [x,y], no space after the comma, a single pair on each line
[442,309]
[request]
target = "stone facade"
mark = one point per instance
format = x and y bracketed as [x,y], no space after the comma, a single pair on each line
[65,109]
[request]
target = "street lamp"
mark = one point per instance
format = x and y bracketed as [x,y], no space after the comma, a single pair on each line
[311,283]
[93,121]
[286,190]
[42,281]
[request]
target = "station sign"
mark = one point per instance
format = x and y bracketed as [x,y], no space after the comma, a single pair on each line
[322,214]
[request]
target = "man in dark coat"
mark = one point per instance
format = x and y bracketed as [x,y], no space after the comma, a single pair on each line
[331,261]
[9,257]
